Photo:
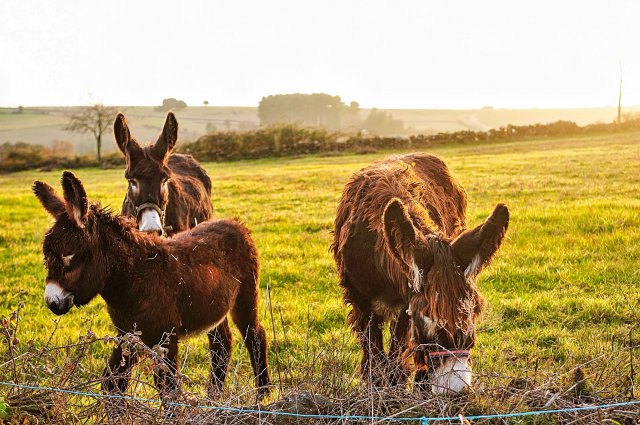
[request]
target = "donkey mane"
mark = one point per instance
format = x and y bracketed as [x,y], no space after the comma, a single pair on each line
[435,214]
[124,226]
[443,293]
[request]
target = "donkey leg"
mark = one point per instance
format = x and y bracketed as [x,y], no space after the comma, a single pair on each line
[424,367]
[165,373]
[398,372]
[245,316]
[115,379]
[368,328]
[220,342]
[421,381]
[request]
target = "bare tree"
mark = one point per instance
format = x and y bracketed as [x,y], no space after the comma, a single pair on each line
[94,119]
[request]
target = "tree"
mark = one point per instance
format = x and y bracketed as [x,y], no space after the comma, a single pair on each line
[211,127]
[311,110]
[383,123]
[171,104]
[94,119]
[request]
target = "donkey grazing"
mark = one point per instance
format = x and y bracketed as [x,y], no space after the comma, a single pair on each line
[167,191]
[404,256]
[158,286]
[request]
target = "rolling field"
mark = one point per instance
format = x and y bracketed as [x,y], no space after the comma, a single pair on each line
[43,125]
[563,291]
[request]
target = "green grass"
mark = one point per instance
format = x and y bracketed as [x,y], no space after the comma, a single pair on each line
[564,288]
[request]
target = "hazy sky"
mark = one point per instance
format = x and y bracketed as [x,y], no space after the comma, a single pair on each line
[412,54]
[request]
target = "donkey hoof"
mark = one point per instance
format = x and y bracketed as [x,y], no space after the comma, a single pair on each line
[263,392]
[116,410]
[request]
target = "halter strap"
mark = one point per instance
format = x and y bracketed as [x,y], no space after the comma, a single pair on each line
[151,205]
[449,353]
[160,212]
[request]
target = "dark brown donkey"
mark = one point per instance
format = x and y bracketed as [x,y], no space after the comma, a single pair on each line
[158,286]
[404,256]
[167,191]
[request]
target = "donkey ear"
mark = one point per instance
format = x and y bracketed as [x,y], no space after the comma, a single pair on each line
[167,140]
[126,144]
[475,247]
[75,196]
[121,132]
[48,197]
[399,233]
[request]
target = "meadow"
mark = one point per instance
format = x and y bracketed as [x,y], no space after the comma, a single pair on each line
[563,291]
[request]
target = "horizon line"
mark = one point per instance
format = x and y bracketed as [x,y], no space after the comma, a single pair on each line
[486,107]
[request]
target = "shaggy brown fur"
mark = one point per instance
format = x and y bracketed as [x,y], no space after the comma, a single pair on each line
[158,286]
[176,183]
[402,252]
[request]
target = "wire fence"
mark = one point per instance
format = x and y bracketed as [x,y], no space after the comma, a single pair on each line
[61,383]
[422,420]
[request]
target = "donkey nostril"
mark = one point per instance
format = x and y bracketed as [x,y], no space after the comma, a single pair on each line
[60,306]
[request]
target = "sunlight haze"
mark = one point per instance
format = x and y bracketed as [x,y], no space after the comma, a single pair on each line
[409,54]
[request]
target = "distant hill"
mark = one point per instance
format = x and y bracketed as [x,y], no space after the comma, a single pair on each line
[440,120]
[43,125]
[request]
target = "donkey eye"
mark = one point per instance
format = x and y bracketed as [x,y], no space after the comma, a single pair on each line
[66,259]
[133,184]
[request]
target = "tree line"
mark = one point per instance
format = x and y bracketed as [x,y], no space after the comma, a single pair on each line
[290,139]
[321,110]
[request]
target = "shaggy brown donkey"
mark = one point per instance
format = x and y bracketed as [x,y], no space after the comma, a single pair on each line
[167,191]
[176,287]
[404,256]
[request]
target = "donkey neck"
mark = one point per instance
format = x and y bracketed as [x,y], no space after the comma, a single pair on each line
[128,253]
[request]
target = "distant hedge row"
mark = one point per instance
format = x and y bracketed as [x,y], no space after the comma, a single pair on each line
[292,140]
[289,140]
[23,156]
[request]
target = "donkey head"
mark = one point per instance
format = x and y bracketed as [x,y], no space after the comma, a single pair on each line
[147,172]
[444,302]
[75,267]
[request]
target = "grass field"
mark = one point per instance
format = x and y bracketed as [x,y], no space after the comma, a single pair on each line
[563,290]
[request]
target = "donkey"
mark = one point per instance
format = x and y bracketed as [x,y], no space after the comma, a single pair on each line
[168,192]
[161,287]
[404,256]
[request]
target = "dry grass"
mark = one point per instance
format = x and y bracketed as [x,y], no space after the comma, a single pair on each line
[316,384]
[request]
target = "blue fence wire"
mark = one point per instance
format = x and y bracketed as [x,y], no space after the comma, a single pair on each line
[423,420]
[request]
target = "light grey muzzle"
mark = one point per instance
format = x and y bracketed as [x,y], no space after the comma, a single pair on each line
[57,299]
[150,221]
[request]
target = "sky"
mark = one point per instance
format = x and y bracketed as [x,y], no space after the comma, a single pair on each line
[453,54]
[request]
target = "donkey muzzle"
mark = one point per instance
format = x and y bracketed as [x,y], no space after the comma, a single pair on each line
[453,376]
[57,299]
[149,218]
[150,221]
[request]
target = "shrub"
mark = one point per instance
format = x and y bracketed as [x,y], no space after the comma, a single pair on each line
[266,142]
[23,156]
[291,139]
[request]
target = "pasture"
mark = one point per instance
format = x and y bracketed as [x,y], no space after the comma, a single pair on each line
[563,291]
